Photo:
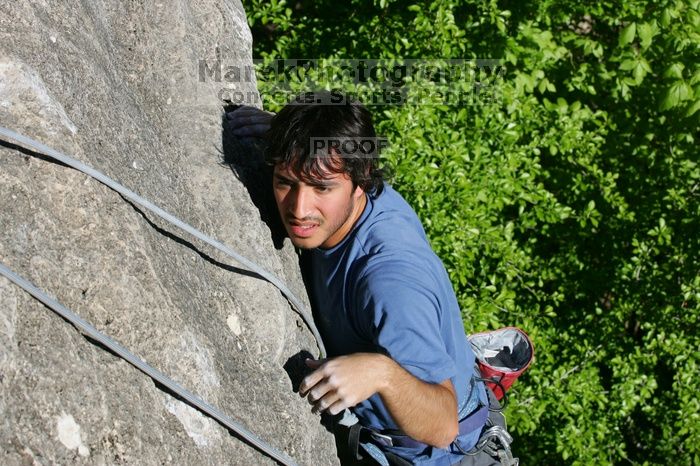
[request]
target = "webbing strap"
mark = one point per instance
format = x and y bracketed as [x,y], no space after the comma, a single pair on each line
[43,149]
[91,332]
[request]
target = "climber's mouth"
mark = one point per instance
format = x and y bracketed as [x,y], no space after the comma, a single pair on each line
[303,230]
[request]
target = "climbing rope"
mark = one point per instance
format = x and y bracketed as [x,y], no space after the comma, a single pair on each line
[86,329]
[45,150]
[91,332]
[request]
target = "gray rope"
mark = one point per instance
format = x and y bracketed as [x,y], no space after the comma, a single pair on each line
[88,330]
[43,149]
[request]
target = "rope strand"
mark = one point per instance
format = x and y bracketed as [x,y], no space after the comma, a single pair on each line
[88,330]
[73,163]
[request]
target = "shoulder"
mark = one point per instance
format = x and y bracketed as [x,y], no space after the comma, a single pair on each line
[395,249]
[392,226]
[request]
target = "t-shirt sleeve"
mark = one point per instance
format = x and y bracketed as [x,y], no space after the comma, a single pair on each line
[396,307]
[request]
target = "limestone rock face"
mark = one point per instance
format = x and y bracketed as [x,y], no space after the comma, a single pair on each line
[117,85]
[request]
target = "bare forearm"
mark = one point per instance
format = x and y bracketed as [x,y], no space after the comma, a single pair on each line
[424,411]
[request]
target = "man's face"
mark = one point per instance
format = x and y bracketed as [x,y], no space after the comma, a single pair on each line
[318,212]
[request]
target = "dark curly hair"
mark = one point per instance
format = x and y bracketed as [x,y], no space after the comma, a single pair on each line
[299,138]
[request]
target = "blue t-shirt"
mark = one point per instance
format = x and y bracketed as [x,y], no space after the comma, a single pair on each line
[383,289]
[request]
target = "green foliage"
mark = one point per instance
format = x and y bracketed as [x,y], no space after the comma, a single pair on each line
[567,204]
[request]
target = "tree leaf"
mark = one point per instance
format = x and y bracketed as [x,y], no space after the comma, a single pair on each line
[666,17]
[693,108]
[641,70]
[677,93]
[628,65]
[627,34]
[646,32]
[674,71]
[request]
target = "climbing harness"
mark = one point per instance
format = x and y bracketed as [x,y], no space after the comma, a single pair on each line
[91,332]
[495,442]
[362,441]
[493,446]
[485,414]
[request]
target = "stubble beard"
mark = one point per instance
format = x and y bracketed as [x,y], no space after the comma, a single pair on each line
[332,228]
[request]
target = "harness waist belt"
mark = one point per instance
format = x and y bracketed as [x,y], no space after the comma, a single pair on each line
[475,421]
